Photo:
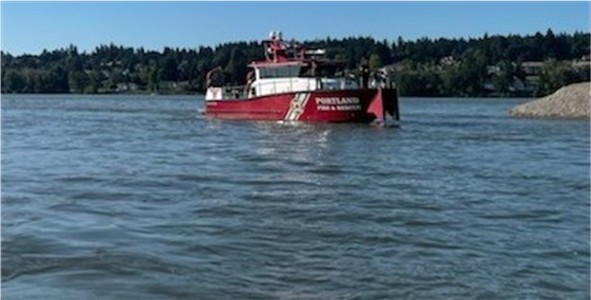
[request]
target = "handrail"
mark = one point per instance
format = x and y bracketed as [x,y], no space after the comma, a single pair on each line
[293,84]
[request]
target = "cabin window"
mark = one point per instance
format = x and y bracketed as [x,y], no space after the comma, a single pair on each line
[279,72]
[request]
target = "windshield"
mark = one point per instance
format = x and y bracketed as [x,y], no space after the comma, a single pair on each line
[279,72]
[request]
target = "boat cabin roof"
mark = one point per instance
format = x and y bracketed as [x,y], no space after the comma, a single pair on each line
[270,64]
[319,63]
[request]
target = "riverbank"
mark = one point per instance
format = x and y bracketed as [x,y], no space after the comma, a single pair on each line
[569,102]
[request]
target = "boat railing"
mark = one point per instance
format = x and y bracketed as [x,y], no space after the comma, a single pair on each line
[287,85]
[295,84]
[299,84]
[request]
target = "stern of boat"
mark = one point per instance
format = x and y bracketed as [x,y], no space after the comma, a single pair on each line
[384,103]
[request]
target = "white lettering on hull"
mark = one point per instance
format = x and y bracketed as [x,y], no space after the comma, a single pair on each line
[338,104]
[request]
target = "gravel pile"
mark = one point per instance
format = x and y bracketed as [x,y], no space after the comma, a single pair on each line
[570,102]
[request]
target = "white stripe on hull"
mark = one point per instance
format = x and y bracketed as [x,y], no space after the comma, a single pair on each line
[297,106]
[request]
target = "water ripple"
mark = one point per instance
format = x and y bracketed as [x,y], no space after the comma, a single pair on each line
[137,197]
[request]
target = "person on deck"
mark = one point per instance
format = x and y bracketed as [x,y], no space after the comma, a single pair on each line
[364,73]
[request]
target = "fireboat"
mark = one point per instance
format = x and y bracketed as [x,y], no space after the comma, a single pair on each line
[296,84]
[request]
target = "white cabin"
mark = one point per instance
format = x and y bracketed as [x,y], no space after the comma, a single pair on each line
[278,78]
[288,68]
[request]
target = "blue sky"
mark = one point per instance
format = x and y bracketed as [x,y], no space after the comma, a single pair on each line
[30,27]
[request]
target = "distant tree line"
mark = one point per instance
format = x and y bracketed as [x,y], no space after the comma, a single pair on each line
[485,66]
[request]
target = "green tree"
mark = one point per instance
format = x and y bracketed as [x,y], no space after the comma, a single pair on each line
[236,68]
[13,82]
[77,81]
[375,62]
[450,80]
[94,82]
[153,76]
[473,73]
[555,74]
[57,80]
[504,79]
[440,66]
[168,70]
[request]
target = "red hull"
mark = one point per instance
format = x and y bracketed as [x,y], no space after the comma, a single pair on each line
[362,105]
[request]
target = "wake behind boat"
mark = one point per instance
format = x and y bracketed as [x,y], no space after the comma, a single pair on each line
[295,84]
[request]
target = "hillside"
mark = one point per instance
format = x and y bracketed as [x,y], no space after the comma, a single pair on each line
[496,65]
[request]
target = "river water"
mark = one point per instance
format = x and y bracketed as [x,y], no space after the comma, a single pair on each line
[141,197]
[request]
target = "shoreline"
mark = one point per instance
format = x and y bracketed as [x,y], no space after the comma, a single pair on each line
[200,94]
[569,102]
